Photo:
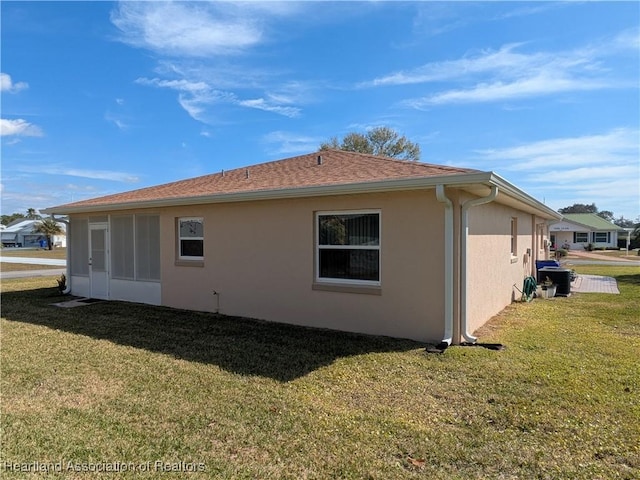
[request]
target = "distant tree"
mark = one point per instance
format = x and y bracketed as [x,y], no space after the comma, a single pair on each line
[607,215]
[377,141]
[48,227]
[579,208]
[625,222]
[32,214]
[584,208]
[7,219]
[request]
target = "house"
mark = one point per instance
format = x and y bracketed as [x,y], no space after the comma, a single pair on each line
[21,233]
[332,239]
[579,230]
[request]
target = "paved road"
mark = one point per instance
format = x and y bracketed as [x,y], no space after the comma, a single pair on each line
[34,261]
[589,261]
[33,273]
[52,272]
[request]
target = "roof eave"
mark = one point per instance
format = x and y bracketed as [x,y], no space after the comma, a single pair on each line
[378,186]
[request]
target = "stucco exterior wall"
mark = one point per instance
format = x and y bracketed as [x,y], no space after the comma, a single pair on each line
[492,271]
[259,259]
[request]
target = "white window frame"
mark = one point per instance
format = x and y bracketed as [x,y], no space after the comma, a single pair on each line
[585,237]
[318,247]
[180,238]
[605,234]
[514,238]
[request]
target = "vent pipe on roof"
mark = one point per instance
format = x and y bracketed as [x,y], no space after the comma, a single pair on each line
[222,172]
[319,159]
[246,173]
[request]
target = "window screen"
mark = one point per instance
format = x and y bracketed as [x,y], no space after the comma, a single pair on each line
[122,254]
[79,244]
[148,247]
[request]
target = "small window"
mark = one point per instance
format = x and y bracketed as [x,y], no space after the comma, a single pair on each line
[348,247]
[514,237]
[580,237]
[191,238]
[601,237]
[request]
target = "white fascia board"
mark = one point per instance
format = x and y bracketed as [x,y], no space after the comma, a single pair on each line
[520,195]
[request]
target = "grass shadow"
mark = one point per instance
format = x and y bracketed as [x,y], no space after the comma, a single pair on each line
[239,345]
[628,279]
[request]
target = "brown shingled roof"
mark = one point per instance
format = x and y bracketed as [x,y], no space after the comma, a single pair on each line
[337,168]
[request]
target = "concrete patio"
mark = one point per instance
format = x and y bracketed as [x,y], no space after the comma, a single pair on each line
[594,284]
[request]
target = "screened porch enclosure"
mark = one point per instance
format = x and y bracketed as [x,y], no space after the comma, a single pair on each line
[132,258]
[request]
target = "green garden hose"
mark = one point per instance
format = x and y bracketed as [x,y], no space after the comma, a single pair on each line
[529,288]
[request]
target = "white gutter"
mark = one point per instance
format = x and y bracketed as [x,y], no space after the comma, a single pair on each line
[464,234]
[448,264]
[67,233]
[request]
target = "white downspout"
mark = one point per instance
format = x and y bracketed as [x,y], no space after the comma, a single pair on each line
[448,264]
[67,233]
[464,234]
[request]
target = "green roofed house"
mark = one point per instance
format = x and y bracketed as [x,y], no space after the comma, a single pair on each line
[578,230]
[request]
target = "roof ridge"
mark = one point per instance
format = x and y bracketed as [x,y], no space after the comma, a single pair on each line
[337,167]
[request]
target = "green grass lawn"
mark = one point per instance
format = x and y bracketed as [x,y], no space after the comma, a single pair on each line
[114,382]
[58,253]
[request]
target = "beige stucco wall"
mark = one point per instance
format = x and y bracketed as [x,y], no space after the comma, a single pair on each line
[259,258]
[493,273]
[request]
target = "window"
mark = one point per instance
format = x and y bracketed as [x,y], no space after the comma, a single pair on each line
[191,238]
[580,237]
[601,237]
[348,247]
[514,237]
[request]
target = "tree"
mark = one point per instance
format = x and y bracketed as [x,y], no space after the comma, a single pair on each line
[579,208]
[48,227]
[377,141]
[606,214]
[7,219]
[625,222]
[32,214]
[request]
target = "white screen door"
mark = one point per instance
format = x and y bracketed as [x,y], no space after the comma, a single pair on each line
[99,261]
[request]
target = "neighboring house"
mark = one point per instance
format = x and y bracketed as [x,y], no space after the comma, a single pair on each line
[21,233]
[332,239]
[578,230]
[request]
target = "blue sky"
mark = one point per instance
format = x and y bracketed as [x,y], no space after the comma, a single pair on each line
[104,97]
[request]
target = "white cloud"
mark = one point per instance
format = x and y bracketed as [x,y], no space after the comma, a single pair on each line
[195,97]
[602,168]
[200,45]
[110,175]
[262,104]
[510,73]
[287,143]
[616,147]
[543,84]
[198,29]
[19,127]
[7,85]
[116,120]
